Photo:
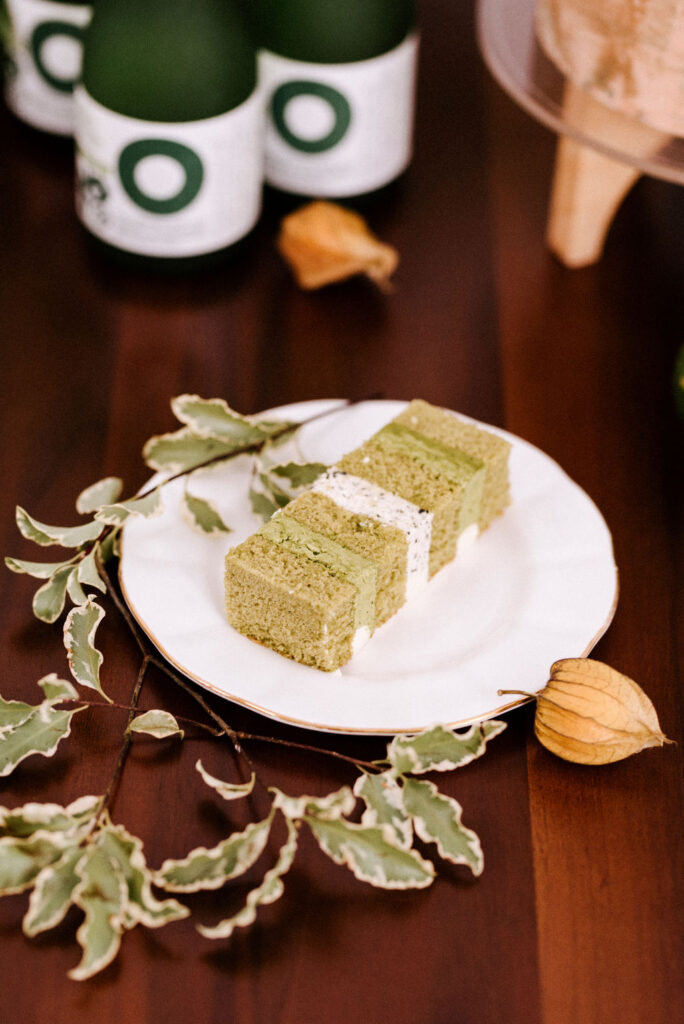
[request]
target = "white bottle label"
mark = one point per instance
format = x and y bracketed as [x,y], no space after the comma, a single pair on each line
[339,129]
[44,56]
[169,189]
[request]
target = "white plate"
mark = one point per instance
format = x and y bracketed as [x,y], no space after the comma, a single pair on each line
[540,584]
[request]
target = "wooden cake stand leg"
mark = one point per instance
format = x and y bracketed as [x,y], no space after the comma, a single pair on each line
[589,187]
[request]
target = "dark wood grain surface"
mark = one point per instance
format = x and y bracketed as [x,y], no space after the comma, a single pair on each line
[577,918]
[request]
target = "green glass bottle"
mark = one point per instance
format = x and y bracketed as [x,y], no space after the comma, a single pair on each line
[169,128]
[339,82]
[43,60]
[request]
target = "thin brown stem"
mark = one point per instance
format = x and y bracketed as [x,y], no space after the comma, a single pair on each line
[110,791]
[129,707]
[520,693]
[222,730]
[370,765]
[121,605]
[236,735]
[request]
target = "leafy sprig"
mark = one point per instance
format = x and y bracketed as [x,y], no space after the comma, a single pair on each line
[280,474]
[75,855]
[211,432]
[27,729]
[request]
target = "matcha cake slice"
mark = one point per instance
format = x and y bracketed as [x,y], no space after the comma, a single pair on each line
[474,442]
[292,604]
[316,580]
[402,474]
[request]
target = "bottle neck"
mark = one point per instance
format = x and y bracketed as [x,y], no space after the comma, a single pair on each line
[168,60]
[331,31]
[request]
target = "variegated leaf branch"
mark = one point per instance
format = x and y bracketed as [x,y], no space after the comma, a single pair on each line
[75,855]
[378,850]
[211,432]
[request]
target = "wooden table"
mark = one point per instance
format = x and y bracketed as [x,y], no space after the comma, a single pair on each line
[577,918]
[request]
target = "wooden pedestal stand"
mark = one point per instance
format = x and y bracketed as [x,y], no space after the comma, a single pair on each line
[588,186]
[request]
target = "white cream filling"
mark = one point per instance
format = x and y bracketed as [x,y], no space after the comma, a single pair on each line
[363,498]
[361,638]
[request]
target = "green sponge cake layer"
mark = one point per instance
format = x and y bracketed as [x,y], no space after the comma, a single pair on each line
[464,472]
[386,546]
[400,474]
[340,561]
[315,581]
[472,441]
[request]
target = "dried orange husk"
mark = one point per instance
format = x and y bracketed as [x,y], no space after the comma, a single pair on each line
[592,714]
[324,242]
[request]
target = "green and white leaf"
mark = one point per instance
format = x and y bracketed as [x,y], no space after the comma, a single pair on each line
[72,820]
[13,713]
[210,869]
[437,819]
[143,907]
[438,749]
[56,689]
[148,506]
[270,890]
[88,574]
[74,588]
[278,483]
[266,497]
[182,451]
[22,860]
[101,894]
[202,515]
[160,724]
[65,536]
[48,600]
[328,808]
[372,854]
[228,790]
[213,417]
[275,491]
[79,636]
[299,474]
[104,492]
[39,570]
[282,446]
[382,796]
[39,733]
[262,505]
[52,893]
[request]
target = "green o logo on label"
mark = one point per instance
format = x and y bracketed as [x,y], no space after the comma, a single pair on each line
[338,104]
[186,160]
[70,57]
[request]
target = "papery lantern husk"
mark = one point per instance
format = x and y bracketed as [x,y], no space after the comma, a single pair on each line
[590,713]
[627,54]
[324,242]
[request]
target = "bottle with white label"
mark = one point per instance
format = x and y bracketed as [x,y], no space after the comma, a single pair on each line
[169,130]
[43,60]
[339,82]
